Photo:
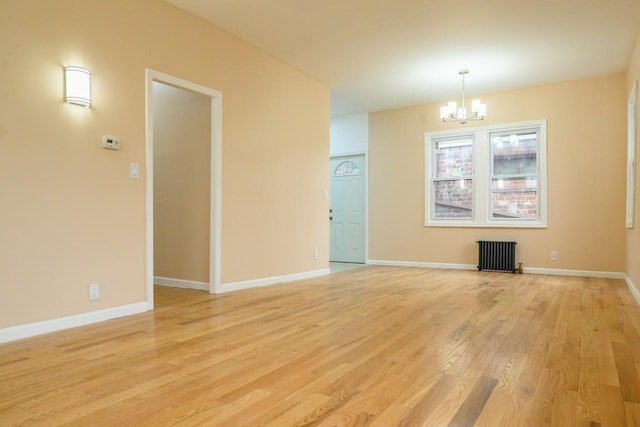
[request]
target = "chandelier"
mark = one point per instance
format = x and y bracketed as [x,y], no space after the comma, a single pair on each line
[451,112]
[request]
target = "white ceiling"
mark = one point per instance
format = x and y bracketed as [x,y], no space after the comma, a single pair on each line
[383,54]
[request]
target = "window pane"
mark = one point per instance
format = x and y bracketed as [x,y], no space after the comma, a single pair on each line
[515,154]
[507,166]
[515,198]
[347,168]
[453,199]
[454,158]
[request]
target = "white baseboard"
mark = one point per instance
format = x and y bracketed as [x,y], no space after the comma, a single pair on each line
[235,286]
[578,273]
[27,330]
[634,291]
[528,270]
[180,283]
[423,264]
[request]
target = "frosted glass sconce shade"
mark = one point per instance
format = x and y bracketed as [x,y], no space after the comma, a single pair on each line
[77,85]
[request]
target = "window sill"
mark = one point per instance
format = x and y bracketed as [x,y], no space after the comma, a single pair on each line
[471,224]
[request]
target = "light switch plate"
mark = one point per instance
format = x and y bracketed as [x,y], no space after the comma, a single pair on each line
[134,170]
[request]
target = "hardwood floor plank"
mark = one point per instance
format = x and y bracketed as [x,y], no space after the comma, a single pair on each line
[588,409]
[375,399]
[449,404]
[607,369]
[632,413]
[381,346]
[504,392]
[299,414]
[564,408]
[631,336]
[392,416]
[423,408]
[294,398]
[474,403]
[337,399]
[612,408]
[545,393]
[570,363]
[627,374]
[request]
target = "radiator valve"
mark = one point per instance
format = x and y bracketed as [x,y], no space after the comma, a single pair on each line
[519,269]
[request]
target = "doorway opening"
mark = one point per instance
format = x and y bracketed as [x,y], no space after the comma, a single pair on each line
[347,212]
[178,172]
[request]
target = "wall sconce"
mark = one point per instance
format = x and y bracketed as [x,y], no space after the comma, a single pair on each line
[77,85]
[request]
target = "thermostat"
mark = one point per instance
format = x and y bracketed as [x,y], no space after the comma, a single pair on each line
[111,142]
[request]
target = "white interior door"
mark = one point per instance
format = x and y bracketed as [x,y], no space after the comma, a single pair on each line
[347,209]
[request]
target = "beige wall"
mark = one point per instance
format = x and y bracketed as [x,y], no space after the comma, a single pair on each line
[181,183]
[70,214]
[632,267]
[586,179]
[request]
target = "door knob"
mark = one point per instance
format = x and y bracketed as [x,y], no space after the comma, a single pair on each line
[330,218]
[330,210]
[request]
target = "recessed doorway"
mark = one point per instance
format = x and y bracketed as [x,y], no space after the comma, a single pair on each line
[347,209]
[157,82]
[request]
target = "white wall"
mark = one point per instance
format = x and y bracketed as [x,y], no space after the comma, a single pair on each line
[349,134]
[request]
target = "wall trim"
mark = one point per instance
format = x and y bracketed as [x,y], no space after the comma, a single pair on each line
[180,283]
[579,273]
[634,291]
[423,264]
[27,330]
[350,153]
[528,270]
[236,286]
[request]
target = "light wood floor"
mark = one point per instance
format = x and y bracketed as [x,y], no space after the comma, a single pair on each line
[379,346]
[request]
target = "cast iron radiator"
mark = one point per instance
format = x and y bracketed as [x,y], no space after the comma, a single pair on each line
[497,256]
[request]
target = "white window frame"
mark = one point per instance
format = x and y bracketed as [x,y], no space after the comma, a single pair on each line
[481,184]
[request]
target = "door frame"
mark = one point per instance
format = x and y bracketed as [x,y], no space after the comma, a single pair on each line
[215,197]
[365,154]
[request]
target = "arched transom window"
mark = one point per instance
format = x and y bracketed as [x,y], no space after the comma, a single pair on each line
[347,168]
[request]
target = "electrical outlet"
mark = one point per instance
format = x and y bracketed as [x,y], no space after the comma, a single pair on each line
[315,254]
[94,291]
[554,255]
